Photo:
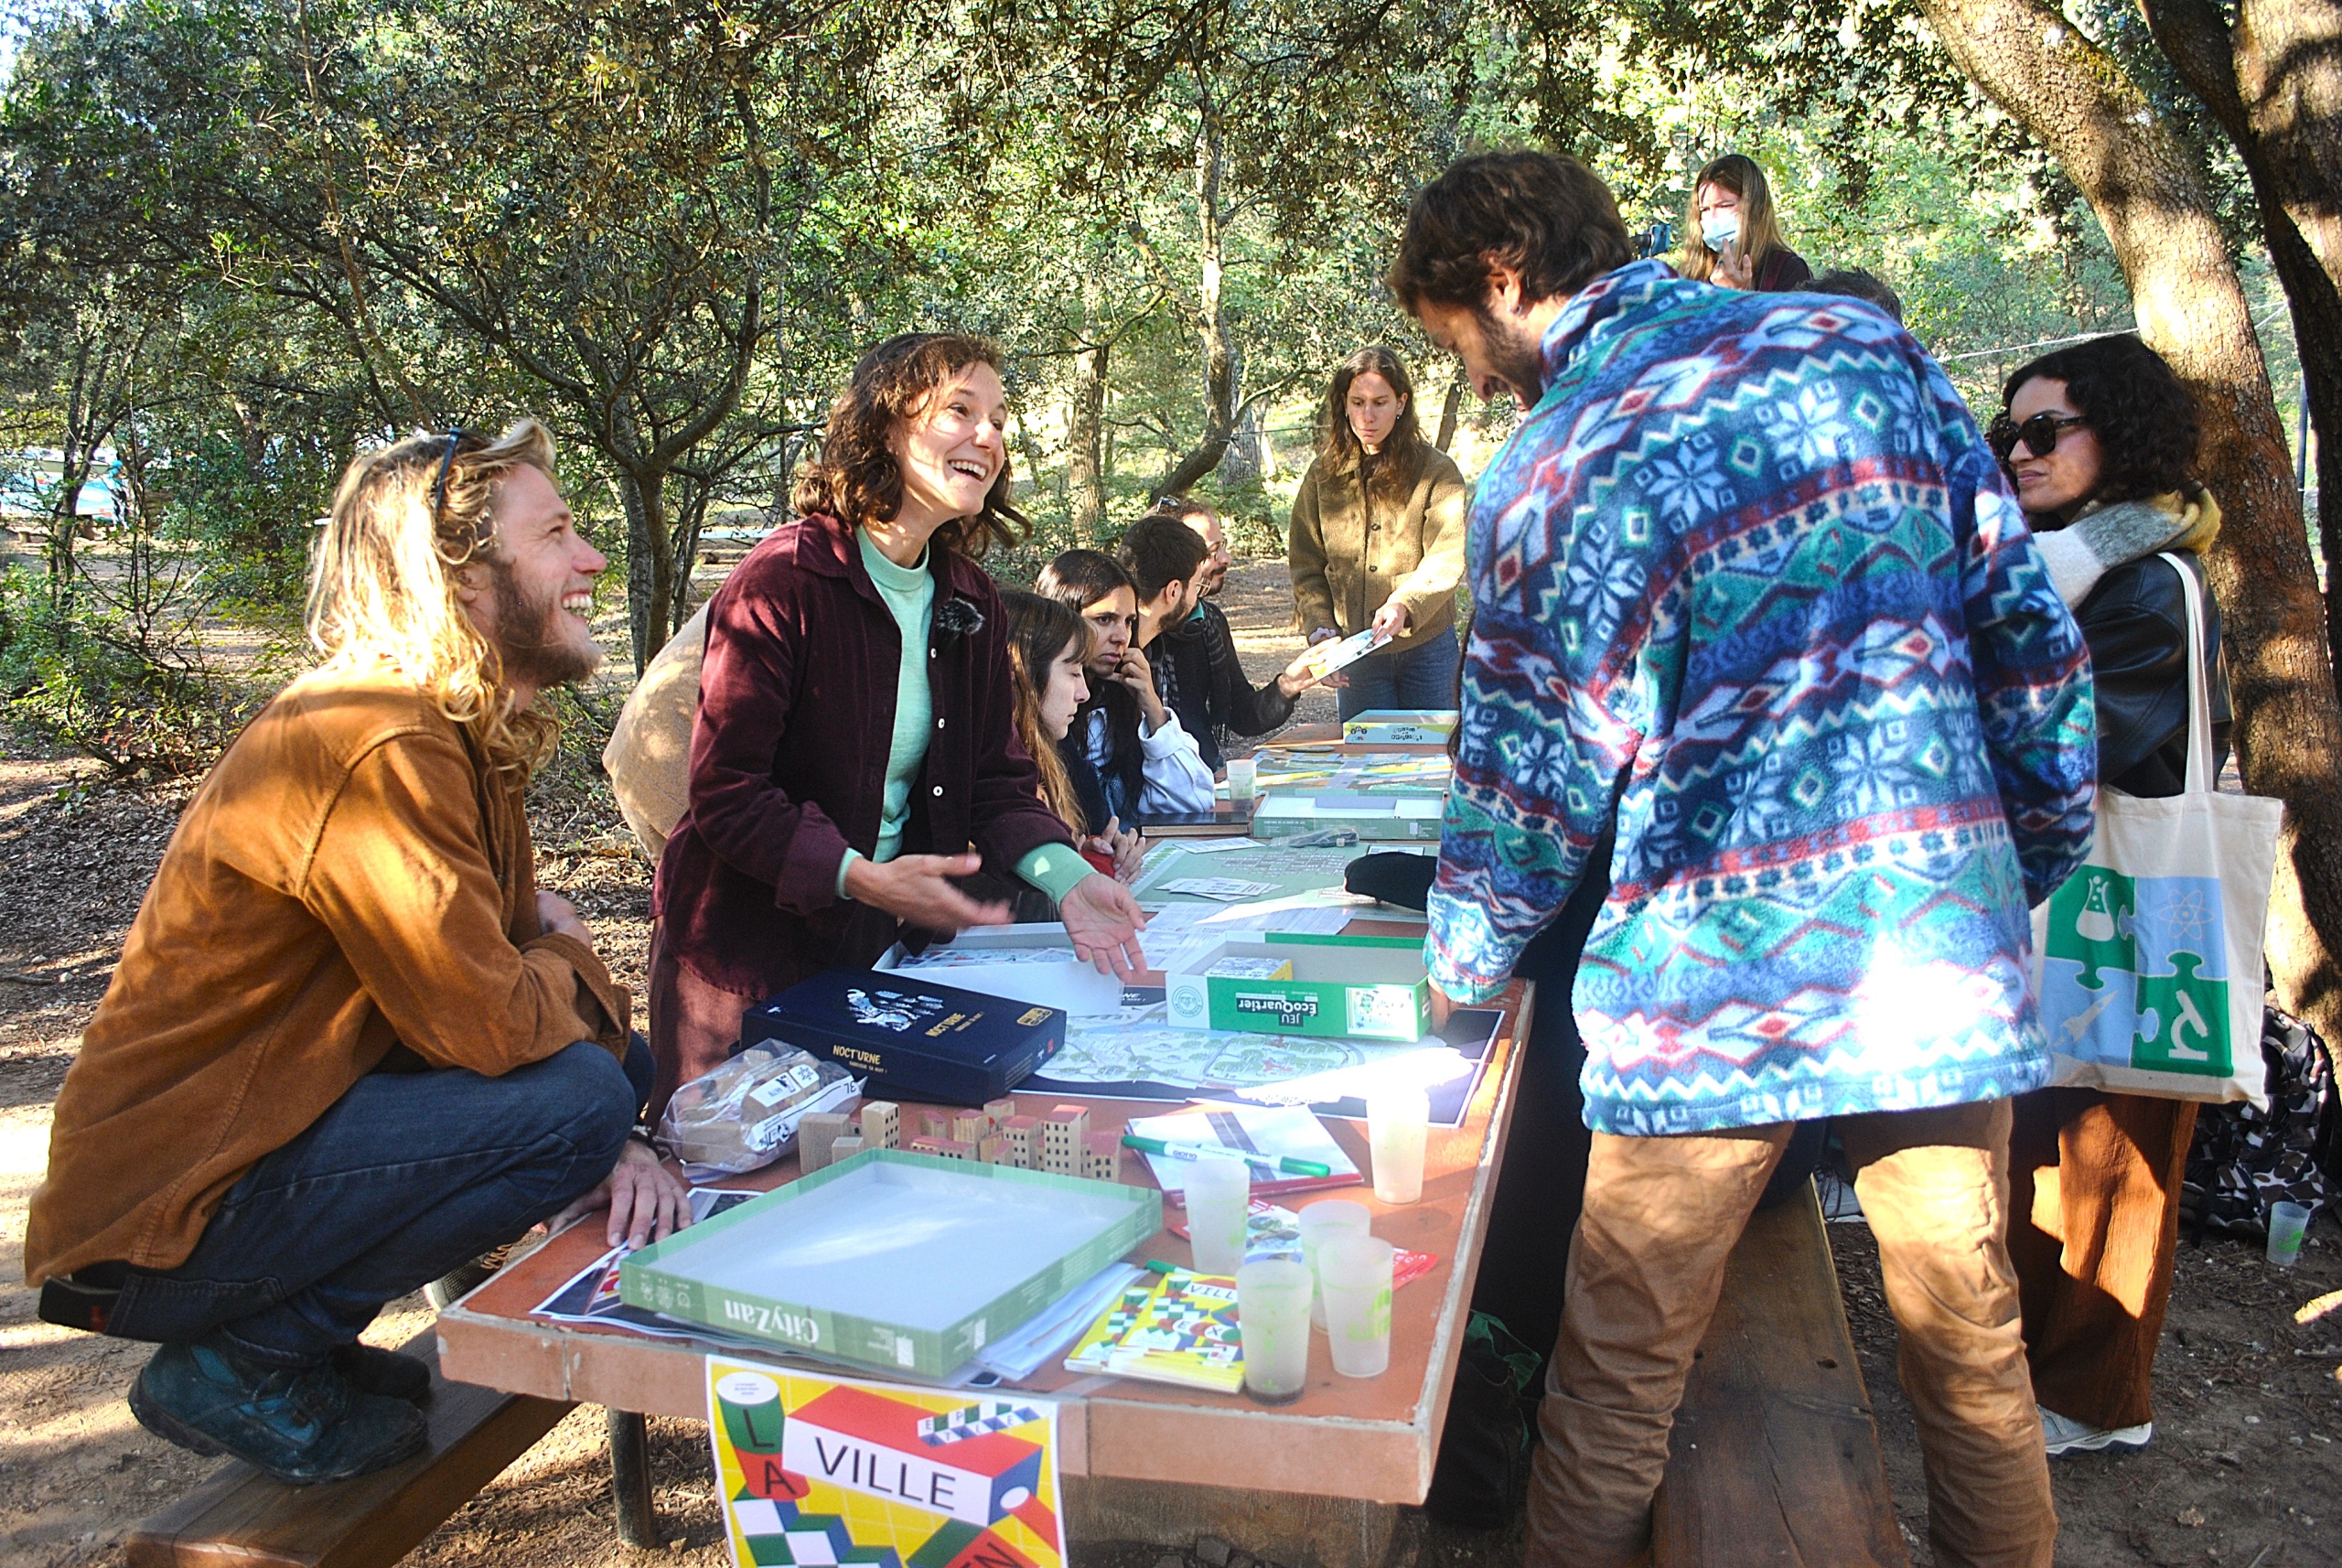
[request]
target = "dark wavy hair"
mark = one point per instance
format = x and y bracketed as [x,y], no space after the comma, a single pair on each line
[856,480]
[1338,448]
[1545,215]
[1160,550]
[2146,419]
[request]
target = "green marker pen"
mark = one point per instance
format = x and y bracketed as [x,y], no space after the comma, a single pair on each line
[1286,1165]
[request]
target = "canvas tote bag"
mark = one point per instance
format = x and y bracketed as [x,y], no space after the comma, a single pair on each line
[2147,961]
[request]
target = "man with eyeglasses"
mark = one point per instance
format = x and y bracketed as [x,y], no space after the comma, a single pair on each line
[350,1044]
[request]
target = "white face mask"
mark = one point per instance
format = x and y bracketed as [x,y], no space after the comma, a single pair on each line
[1719,232]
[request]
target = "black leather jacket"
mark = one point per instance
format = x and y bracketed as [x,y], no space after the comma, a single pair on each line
[1216,699]
[2135,623]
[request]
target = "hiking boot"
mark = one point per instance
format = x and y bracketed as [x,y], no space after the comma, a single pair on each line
[464,1278]
[2061,1435]
[389,1373]
[300,1425]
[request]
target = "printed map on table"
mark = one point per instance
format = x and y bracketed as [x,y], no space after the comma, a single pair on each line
[836,1471]
[1287,871]
[1135,1053]
[1317,770]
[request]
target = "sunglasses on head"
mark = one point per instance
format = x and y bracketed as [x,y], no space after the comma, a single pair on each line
[2039,433]
[439,486]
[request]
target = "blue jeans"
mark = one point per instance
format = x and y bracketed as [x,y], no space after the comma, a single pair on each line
[403,1178]
[1422,676]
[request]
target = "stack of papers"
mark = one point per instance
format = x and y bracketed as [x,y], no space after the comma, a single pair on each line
[1264,1132]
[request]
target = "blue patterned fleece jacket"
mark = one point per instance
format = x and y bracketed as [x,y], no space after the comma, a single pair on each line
[1749,578]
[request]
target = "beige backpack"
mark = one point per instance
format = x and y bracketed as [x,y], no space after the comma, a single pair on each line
[649,758]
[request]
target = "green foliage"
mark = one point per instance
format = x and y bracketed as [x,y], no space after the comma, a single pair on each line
[97,681]
[257,235]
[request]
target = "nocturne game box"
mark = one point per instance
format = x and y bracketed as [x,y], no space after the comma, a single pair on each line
[909,1038]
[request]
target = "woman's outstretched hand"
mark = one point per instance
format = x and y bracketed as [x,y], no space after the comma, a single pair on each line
[913,888]
[1104,922]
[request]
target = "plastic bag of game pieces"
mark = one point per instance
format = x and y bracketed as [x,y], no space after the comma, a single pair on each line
[745,1113]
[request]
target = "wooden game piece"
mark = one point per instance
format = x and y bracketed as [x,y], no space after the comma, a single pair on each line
[1101,1157]
[817,1135]
[882,1124]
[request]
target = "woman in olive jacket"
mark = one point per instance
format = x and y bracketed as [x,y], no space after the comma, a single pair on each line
[1377,539]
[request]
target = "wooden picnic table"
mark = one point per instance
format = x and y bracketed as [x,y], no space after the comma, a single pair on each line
[1318,1480]
[1141,1460]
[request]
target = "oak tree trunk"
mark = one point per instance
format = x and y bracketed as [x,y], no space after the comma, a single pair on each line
[650,561]
[1085,448]
[2273,83]
[2139,178]
[1210,324]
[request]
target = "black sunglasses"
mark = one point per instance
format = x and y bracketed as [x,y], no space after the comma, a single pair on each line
[439,486]
[2039,433]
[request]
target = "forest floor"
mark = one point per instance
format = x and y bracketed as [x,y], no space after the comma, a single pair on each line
[2245,1471]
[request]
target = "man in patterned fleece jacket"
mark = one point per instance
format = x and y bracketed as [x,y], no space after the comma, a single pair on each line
[1746,581]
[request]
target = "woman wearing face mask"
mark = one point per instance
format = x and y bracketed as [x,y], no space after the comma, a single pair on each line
[1377,539]
[857,729]
[2100,440]
[1730,236]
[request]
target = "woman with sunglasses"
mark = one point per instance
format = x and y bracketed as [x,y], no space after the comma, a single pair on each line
[2101,441]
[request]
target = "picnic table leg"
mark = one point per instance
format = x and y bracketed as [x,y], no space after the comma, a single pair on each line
[630,1478]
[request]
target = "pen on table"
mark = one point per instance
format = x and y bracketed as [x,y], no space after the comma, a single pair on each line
[1286,1164]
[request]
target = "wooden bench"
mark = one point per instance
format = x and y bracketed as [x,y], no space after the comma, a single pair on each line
[240,1518]
[1775,1458]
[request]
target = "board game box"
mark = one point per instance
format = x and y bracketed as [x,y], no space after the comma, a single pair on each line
[909,1037]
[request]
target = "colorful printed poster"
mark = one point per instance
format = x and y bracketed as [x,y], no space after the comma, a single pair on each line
[831,1471]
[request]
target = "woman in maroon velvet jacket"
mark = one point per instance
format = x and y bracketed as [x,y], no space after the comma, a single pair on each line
[833,792]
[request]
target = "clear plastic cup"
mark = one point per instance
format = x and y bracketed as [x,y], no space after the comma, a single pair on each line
[2287,1224]
[1273,1315]
[1398,1121]
[1320,1222]
[1217,1192]
[1241,777]
[1355,1273]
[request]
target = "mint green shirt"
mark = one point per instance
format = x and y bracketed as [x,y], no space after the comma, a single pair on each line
[908,593]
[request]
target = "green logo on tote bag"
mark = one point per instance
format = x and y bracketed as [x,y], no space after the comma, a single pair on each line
[2134,973]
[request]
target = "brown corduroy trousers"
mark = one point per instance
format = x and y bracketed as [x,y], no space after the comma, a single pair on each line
[2093,1229]
[1662,1215]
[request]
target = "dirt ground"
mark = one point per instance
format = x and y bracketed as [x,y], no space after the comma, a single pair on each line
[2244,1470]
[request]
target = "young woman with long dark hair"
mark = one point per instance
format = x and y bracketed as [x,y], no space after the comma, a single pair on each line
[1049,648]
[855,748]
[1377,539]
[1127,754]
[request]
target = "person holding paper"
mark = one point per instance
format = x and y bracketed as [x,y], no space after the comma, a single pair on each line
[1811,666]
[856,746]
[1128,754]
[1377,539]
[2100,440]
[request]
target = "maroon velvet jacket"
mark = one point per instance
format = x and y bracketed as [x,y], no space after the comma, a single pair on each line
[789,759]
